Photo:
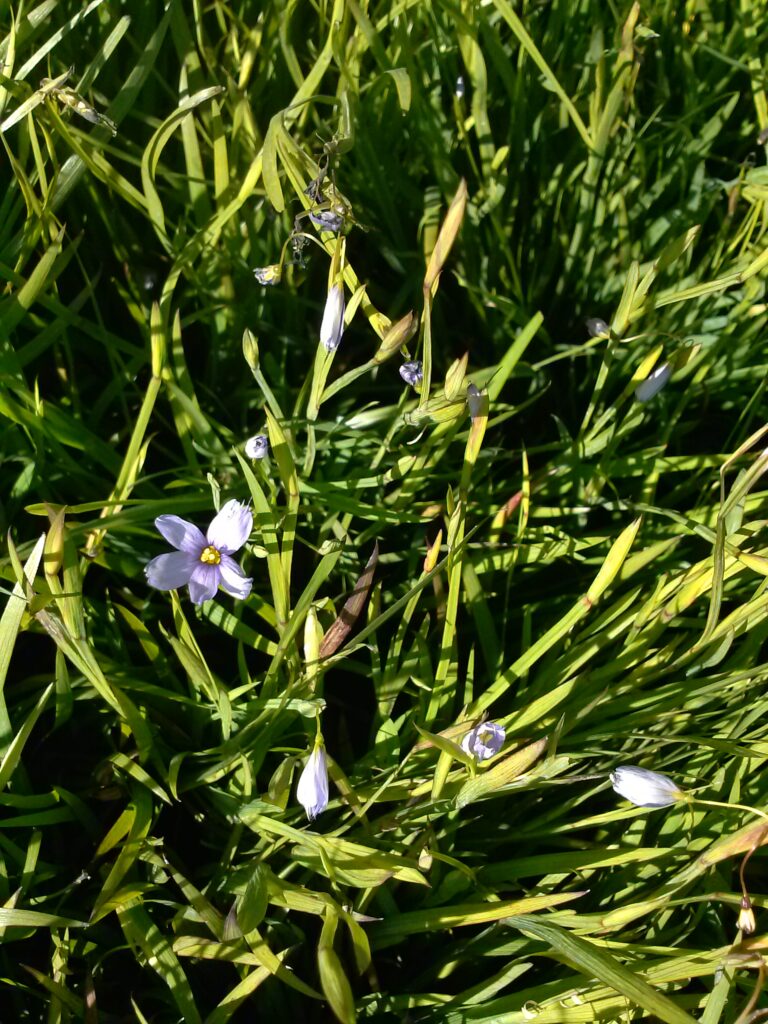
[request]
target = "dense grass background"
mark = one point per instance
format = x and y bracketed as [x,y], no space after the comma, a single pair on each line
[584,568]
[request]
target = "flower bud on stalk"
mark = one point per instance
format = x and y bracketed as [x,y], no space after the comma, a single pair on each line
[332,326]
[397,335]
[645,788]
[653,383]
[256,447]
[746,922]
[312,791]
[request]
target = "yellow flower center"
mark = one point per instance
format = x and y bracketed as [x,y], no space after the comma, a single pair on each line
[210,556]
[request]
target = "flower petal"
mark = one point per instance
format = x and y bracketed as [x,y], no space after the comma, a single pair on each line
[645,788]
[332,327]
[233,579]
[204,582]
[170,571]
[231,528]
[312,790]
[180,534]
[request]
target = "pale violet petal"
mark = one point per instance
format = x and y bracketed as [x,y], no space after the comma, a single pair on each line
[332,327]
[180,534]
[653,383]
[170,571]
[231,528]
[645,788]
[484,741]
[312,790]
[233,579]
[204,582]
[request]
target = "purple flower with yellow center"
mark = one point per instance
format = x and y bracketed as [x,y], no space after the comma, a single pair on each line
[203,561]
[484,741]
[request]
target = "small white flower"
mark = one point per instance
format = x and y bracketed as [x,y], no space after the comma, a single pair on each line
[332,326]
[257,447]
[645,788]
[412,373]
[653,383]
[484,741]
[312,790]
[203,562]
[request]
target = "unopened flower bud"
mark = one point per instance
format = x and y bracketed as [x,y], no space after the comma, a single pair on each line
[257,447]
[653,383]
[645,788]
[412,373]
[268,275]
[746,922]
[251,349]
[332,326]
[597,326]
[397,335]
[312,791]
[477,401]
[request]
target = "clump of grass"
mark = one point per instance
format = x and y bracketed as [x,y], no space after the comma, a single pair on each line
[509,532]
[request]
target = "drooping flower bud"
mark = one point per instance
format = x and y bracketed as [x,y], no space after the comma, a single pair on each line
[597,326]
[327,220]
[412,373]
[645,788]
[312,790]
[477,401]
[653,383]
[332,326]
[746,922]
[256,447]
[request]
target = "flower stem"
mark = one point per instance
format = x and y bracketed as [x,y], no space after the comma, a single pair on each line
[735,807]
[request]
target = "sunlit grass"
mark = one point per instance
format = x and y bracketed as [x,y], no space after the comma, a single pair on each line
[510,530]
